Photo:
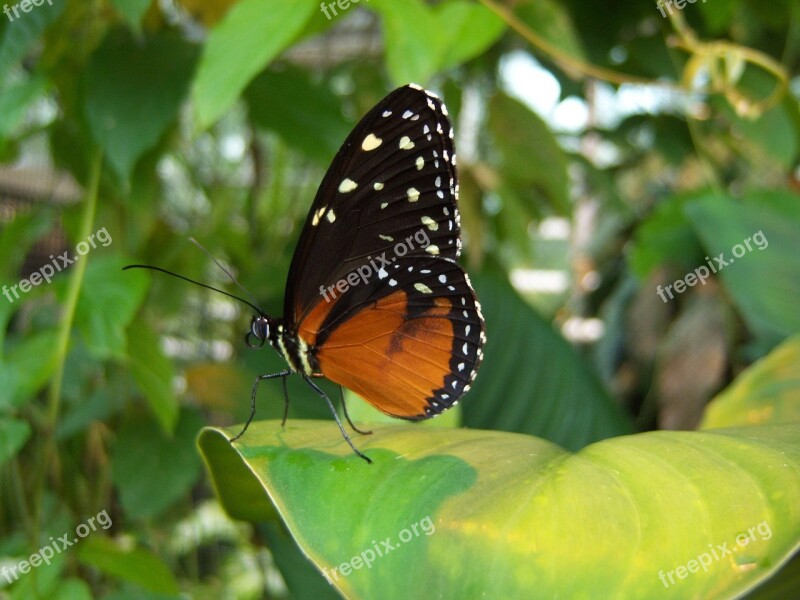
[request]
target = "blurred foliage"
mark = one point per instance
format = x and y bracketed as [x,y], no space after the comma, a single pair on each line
[607,152]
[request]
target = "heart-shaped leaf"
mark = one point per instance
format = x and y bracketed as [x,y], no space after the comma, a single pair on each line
[463,513]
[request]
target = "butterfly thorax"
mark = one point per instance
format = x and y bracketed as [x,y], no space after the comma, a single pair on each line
[294,350]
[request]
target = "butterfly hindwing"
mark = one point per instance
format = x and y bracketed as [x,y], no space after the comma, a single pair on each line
[420,329]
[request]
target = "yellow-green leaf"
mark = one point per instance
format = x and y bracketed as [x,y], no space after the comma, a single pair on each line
[445,513]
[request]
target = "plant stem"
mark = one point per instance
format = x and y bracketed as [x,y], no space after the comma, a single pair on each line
[62,345]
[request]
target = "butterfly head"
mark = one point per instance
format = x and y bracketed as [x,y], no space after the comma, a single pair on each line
[259,331]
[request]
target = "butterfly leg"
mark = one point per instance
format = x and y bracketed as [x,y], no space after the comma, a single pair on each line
[260,378]
[319,391]
[347,416]
[286,403]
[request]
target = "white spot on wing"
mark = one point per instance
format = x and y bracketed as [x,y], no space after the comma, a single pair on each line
[432,249]
[413,194]
[406,143]
[371,142]
[378,186]
[430,223]
[318,216]
[347,185]
[421,287]
[331,216]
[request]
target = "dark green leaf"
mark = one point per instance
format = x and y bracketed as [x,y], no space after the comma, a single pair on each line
[13,435]
[134,564]
[133,10]
[26,368]
[154,374]
[152,471]
[666,239]
[532,161]
[21,31]
[552,21]
[308,116]
[764,281]
[133,92]
[108,302]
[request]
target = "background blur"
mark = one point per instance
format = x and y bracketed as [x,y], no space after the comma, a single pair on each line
[604,151]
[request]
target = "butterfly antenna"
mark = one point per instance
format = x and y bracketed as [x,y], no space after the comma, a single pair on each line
[224,270]
[205,285]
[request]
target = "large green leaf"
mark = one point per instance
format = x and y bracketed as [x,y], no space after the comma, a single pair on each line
[767,392]
[497,514]
[134,89]
[763,280]
[532,381]
[413,40]
[250,35]
[420,40]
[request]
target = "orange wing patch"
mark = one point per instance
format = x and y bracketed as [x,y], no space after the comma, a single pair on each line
[310,326]
[392,361]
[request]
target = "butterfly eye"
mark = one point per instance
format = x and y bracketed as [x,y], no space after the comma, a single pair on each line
[259,329]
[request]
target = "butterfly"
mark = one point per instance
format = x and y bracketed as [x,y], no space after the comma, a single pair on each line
[375,300]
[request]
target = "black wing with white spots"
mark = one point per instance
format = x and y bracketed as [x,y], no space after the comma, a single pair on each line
[390,193]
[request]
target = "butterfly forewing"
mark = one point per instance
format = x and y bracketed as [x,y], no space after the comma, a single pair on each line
[393,177]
